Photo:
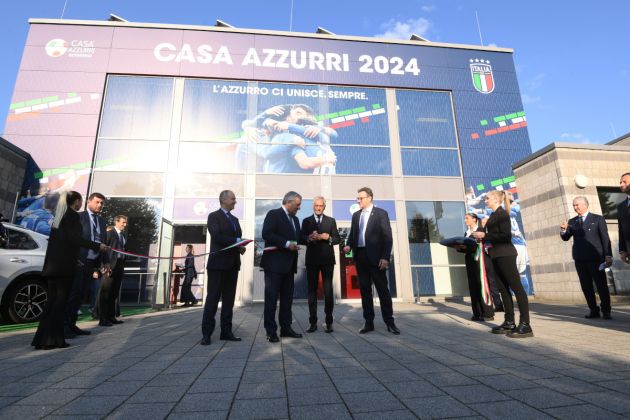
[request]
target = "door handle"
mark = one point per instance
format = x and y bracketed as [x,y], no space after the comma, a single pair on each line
[17,260]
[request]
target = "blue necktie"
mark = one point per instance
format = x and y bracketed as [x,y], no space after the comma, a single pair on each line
[231,219]
[95,232]
[361,241]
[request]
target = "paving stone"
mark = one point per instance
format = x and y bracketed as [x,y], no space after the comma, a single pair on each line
[358,385]
[263,377]
[308,381]
[214,385]
[414,389]
[116,388]
[164,379]
[158,394]
[474,393]
[313,396]
[141,411]
[92,405]
[569,385]
[389,415]
[26,411]
[223,372]
[51,397]
[205,402]
[437,407]
[582,412]
[371,401]
[271,408]
[261,390]
[542,397]
[513,410]
[609,400]
[320,412]
[506,382]
[199,415]
[448,379]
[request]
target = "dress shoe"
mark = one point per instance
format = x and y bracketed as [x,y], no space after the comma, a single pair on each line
[273,338]
[607,315]
[499,309]
[68,333]
[523,330]
[288,332]
[116,321]
[367,327]
[205,341]
[230,337]
[392,328]
[476,318]
[105,324]
[504,328]
[79,331]
[592,315]
[328,328]
[487,318]
[312,328]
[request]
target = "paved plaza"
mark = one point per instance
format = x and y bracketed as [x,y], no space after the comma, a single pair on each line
[442,365]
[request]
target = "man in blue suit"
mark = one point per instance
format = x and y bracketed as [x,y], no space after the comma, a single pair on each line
[591,251]
[94,229]
[281,230]
[371,241]
[223,268]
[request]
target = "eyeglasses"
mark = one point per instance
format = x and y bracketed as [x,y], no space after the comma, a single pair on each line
[361,198]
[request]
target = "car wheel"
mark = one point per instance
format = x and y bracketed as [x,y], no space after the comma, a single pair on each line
[26,301]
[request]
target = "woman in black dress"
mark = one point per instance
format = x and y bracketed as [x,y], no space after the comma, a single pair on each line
[60,264]
[190,273]
[497,239]
[481,311]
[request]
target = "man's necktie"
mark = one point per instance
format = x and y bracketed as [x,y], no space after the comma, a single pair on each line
[95,233]
[292,224]
[361,241]
[319,221]
[231,219]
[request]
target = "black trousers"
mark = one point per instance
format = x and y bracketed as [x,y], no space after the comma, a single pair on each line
[508,278]
[221,286]
[108,293]
[492,282]
[588,272]
[186,295]
[479,308]
[278,285]
[50,328]
[370,274]
[312,277]
[81,282]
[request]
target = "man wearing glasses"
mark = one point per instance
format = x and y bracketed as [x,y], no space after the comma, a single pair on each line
[371,241]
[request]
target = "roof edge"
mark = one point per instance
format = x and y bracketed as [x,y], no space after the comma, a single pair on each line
[264,32]
[564,145]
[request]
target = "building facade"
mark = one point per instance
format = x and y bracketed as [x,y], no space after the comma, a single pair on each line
[161,118]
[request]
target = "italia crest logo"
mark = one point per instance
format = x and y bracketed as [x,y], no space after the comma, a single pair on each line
[481,72]
[56,47]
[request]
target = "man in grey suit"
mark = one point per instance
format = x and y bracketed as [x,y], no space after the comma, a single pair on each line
[592,252]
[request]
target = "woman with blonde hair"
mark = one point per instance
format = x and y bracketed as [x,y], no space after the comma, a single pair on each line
[497,240]
[60,263]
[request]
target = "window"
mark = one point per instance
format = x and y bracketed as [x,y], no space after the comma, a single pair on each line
[430,162]
[609,199]
[20,240]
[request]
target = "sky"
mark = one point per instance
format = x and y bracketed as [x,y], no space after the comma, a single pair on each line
[571,58]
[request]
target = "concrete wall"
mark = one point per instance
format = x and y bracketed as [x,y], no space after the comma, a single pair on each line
[546,190]
[13,163]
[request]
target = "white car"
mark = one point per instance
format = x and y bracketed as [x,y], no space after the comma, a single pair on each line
[23,291]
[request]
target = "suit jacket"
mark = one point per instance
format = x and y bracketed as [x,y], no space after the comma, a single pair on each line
[320,252]
[378,235]
[623,218]
[190,272]
[112,239]
[222,234]
[64,244]
[499,234]
[590,240]
[86,224]
[276,232]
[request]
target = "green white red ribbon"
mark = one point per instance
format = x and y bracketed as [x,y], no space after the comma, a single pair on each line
[486,296]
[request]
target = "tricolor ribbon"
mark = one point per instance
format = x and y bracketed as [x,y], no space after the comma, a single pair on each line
[486,296]
[242,242]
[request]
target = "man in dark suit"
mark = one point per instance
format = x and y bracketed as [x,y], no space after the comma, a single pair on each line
[93,229]
[591,251]
[223,268]
[281,230]
[623,219]
[110,284]
[371,241]
[320,233]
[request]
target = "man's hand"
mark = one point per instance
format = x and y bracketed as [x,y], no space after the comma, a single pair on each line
[293,247]
[103,247]
[383,264]
[242,249]
[564,226]
[324,236]
[313,236]
[623,256]
[608,261]
[346,249]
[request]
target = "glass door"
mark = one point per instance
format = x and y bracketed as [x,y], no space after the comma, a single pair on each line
[163,280]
